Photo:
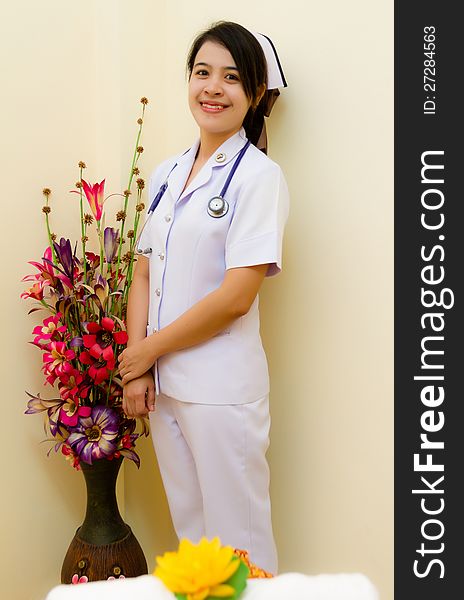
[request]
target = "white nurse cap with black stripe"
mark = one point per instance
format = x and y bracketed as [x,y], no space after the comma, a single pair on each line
[275,74]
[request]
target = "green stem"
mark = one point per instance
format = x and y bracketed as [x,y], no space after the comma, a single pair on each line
[50,241]
[135,158]
[126,200]
[130,267]
[100,239]
[83,228]
[109,384]
[47,306]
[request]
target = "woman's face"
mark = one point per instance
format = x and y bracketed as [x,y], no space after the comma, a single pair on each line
[217,99]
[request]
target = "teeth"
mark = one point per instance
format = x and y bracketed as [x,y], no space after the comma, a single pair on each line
[213,106]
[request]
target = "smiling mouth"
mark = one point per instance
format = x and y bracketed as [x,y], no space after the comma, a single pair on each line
[212,107]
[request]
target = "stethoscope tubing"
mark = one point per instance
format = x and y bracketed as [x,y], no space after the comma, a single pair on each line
[213,212]
[164,186]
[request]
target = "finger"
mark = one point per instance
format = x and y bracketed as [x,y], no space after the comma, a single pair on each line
[151,398]
[127,406]
[140,407]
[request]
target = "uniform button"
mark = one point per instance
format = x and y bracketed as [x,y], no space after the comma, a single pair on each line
[167,218]
[161,255]
[221,157]
[158,292]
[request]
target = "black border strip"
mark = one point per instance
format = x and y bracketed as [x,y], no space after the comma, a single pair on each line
[429,275]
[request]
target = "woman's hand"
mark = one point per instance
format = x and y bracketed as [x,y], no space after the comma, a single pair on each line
[139,396]
[136,360]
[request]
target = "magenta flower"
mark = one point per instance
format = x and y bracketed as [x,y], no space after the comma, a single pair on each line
[94,194]
[95,436]
[102,336]
[56,361]
[71,411]
[48,331]
[46,273]
[99,370]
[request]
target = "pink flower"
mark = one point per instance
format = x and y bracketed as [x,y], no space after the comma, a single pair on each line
[46,274]
[56,361]
[71,411]
[48,331]
[94,194]
[76,579]
[36,291]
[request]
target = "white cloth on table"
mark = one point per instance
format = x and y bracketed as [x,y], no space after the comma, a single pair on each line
[291,586]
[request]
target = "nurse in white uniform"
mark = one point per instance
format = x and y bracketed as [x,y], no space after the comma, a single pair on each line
[195,360]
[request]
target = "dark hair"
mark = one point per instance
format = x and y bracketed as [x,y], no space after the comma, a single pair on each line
[250,61]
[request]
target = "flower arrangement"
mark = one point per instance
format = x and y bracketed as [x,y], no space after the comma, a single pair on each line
[85,297]
[203,571]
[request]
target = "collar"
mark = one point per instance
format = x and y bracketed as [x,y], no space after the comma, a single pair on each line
[220,157]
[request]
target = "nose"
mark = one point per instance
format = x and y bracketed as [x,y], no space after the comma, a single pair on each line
[213,86]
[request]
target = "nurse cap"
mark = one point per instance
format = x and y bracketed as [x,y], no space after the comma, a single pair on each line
[275,80]
[275,74]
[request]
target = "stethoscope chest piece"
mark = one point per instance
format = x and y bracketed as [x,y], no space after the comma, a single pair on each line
[217,207]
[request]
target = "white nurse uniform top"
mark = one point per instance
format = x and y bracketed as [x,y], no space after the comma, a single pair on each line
[190,253]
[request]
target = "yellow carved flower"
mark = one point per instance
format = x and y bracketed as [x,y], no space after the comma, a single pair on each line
[198,571]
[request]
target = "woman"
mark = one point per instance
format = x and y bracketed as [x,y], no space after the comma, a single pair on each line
[194,347]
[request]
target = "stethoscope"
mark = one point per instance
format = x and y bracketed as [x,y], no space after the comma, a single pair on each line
[218,205]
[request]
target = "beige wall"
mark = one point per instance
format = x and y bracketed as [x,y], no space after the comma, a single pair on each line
[72,78]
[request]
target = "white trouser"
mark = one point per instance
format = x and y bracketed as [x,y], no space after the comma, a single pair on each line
[216,477]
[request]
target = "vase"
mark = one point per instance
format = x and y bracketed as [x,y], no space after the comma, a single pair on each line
[104,545]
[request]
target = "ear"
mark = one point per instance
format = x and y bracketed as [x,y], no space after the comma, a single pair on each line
[259,96]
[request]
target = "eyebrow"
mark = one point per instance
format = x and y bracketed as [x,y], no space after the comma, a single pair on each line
[203,64]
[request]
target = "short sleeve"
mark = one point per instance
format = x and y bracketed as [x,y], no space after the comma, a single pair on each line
[257,226]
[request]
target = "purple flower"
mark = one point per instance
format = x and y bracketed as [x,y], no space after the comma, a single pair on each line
[111,243]
[65,256]
[94,437]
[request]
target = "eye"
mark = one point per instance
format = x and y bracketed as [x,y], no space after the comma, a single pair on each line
[201,72]
[232,77]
